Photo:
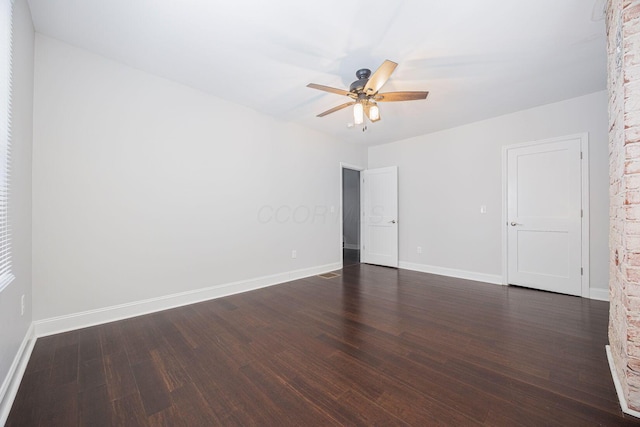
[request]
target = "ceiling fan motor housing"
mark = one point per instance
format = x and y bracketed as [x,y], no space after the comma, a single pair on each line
[363,77]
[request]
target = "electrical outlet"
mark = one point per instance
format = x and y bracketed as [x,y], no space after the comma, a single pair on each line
[419,250]
[22,305]
[294,254]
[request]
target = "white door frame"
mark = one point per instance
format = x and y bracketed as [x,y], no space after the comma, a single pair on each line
[584,170]
[355,168]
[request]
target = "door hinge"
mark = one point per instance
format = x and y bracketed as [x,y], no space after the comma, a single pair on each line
[581,213]
[581,155]
[581,271]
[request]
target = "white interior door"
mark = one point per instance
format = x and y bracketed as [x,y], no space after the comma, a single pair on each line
[544,208]
[380,216]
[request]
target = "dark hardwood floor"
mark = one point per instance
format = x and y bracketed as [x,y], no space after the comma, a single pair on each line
[374,346]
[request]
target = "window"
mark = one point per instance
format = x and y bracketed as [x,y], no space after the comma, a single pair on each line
[6,7]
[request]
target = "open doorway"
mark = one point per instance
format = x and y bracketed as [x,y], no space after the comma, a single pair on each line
[350,216]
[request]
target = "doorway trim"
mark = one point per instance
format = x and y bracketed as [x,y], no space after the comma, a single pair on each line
[340,219]
[584,228]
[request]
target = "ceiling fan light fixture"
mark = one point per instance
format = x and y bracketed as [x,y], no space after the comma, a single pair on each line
[358,113]
[374,113]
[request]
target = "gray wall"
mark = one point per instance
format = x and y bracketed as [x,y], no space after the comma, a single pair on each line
[446,176]
[137,194]
[13,325]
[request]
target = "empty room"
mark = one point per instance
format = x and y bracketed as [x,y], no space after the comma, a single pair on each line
[337,213]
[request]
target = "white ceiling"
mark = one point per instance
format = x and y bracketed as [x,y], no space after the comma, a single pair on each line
[478,59]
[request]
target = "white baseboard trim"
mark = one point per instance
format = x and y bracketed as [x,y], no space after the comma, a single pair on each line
[599,294]
[12,381]
[351,246]
[616,382]
[99,316]
[495,279]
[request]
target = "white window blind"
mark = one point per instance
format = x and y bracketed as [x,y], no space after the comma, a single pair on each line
[6,7]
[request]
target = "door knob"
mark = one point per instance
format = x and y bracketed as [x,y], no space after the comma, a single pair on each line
[393,221]
[513,224]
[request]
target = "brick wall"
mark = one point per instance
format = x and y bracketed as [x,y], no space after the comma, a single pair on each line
[623,46]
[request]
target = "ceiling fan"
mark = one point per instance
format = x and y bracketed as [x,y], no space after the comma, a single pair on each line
[364,93]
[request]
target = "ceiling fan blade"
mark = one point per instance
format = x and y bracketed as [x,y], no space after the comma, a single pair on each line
[400,96]
[380,77]
[367,111]
[334,109]
[329,89]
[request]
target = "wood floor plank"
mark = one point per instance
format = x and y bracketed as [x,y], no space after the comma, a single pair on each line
[373,346]
[284,404]
[153,390]
[62,408]
[231,395]
[66,338]
[185,324]
[91,374]
[129,411]
[95,407]
[369,414]
[169,368]
[32,398]
[118,375]
[341,409]
[390,394]
[139,337]
[64,369]
[192,409]
[111,337]
[89,347]
[168,418]
[42,355]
